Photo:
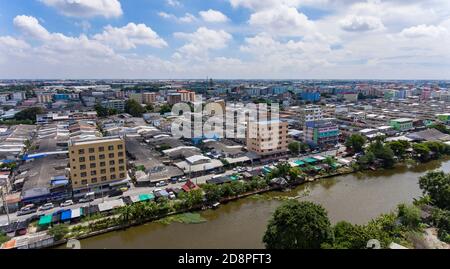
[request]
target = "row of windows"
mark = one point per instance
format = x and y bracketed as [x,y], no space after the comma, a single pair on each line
[103,179]
[100,149]
[103,171]
[101,157]
[102,164]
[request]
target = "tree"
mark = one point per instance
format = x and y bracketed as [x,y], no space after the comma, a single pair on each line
[165,108]
[298,225]
[29,114]
[437,186]
[149,108]
[133,108]
[103,111]
[295,174]
[3,238]
[347,236]
[382,152]
[192,198]
[355,142]
[399,147]
[440,127]
[409,215]
[421,151]
[294,147]
[213,192]
[59,231]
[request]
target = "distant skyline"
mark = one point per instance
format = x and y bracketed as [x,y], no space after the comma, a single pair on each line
[225,39]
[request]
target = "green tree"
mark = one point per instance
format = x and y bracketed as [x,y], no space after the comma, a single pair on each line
[294,147]
[421,151]
[165,108]
[409,215]
[3,238]
[298,225]
[437,186]
[149,108]
[348,236]
[382,152]
[29,114]
[133,108]
[59,231]
[192,198]
[399,147]
[213,193]
[440,127]
[355,142]
[101,110]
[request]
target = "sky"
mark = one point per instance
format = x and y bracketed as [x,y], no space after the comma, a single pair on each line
[225,39]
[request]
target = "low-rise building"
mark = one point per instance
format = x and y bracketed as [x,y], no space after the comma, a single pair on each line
[402,124]
[322,133]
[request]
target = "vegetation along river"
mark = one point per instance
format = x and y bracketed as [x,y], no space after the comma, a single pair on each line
[356,198]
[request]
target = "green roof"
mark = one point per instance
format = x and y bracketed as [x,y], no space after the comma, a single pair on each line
[146,197]
[300,163]
[45,220]
[317,168]
[234,178]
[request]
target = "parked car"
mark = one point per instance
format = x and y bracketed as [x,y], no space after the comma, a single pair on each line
[115,193]
[26,211]
[46,207]
[161,184]
[156,190]
[172,196]
[67,203]
[86,200]
[183,179]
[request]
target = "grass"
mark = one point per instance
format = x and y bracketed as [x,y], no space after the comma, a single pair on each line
[186,218]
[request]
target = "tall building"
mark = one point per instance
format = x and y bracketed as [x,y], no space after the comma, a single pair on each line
[118,105]
[260,137]
[149,97]
[310,113]
[323,133]
[44,98]
[136,97]
[187,96]
[97,165]
[174,98]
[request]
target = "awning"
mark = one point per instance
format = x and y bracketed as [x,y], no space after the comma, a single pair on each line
[76,213]
[299,163]
[45,220]
[310,160]
[146,197]
[320,158]
[66,215]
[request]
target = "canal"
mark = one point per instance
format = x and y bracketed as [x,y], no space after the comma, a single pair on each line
[356,198]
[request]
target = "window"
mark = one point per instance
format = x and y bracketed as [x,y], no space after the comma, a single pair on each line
[122,168]
[84,182]
[93,165]
[93,173]
[91,150]
[102,164]
[103,171]
[94,180]
[73,152]
[81,151]
[122,175]
[112,162]
[82,159]
[110,147]
[91,158]
[101,149]
[121,161]
[112,170]
[103,178]
[113,177]
[121,154]
[82,167]
[111,155]
[120,147]
[84,174]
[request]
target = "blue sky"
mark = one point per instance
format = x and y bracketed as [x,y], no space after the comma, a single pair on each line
[225,39]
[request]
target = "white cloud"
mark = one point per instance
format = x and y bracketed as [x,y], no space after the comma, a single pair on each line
[361,23]
[213,16]
[87,8]
[281,20]
[203,40]
[130,36]
[424,31]
[187,18]
[30,26]
[174,3]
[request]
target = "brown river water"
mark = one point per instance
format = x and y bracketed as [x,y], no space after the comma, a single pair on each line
[356,198]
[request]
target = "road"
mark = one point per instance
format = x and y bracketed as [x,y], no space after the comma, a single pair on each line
[135,191]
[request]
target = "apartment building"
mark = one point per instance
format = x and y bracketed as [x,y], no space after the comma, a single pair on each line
[187,96]
[174,98]
[118,104]
[97,165]
[261,137]
[402,124]
[322,133]
[44,98]
[136,97]
[310,113]
[149,97]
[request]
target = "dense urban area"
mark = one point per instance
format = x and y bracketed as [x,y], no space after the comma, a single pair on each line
[80,158]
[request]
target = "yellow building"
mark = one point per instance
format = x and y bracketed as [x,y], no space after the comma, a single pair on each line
[267,137]
[97,165]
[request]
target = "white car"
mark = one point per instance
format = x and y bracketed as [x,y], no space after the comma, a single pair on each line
[183,179]
[161,184]
[67,203]
[156,190]
[46,207]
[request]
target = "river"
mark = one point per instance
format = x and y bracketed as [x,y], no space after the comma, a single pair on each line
[356,198]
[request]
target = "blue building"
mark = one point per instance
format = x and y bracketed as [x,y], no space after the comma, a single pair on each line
[310,96]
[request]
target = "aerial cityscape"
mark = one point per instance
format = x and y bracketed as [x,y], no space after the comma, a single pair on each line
[224,124]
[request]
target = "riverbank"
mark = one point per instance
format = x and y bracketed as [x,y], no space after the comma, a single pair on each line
[391,186]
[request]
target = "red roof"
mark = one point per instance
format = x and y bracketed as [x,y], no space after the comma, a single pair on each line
[189,186]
